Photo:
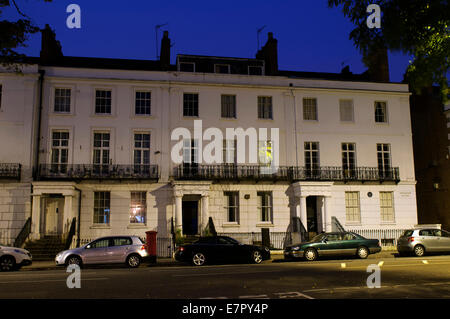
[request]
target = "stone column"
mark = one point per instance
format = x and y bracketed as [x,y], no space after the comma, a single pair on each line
[68,214]
[327,213]
[36,217]
[179,213]
[205,212]
[303,213]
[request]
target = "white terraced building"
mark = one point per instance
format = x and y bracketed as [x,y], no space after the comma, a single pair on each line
[97,135]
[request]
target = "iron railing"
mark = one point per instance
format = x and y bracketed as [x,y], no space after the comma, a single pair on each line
[94,171]
[10,170]
[278,240]
[283,173]
[23,235]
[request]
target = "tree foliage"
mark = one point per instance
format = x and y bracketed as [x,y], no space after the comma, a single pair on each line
[420,28]
[14,34]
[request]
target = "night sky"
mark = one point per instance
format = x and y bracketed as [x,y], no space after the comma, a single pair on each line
[311,36]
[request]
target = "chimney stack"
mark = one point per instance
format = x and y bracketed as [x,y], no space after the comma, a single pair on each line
[51,49]
[377,62]
[269,53]
[164,57]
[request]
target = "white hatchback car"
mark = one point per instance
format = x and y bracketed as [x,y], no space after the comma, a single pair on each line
[13,258]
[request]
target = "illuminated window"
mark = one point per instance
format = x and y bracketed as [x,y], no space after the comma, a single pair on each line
[138,208]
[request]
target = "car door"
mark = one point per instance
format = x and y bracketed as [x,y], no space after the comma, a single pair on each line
[349,244]
[118,251]
[96,252]
[445,241]
[225,250]
[331,245]
[427,238]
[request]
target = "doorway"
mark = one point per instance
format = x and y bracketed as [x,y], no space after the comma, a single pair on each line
[190,217]
[52,215]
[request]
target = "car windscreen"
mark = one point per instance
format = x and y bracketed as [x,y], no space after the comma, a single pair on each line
[408,233]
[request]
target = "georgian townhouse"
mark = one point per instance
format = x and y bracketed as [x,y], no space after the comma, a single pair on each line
[125,147]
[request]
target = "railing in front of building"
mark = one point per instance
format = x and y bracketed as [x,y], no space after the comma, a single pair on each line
[278,240]
[284,173]
[94,171]
[10,171]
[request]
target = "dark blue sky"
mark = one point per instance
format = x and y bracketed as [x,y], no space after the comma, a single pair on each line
[311,37]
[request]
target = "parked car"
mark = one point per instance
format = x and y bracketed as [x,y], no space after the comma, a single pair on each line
[220,249]
[106,250]
[420,241]
[333,244]
[13,258]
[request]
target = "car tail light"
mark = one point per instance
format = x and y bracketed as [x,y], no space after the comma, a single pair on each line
[410,239]
[144,247]
[181,248]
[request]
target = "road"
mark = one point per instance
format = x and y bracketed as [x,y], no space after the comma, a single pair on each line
[409,277]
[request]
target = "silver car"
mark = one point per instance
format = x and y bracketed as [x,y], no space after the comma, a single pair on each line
[13,258]
[423,240]
[106,250]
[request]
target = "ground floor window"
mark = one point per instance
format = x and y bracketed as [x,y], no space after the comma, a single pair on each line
[352,207]
[265,206]
[232,206]
[138,208]
[102,202]
[387,206]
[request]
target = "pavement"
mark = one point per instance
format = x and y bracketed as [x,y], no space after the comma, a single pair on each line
[276,255]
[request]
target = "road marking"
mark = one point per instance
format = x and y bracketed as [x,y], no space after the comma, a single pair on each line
[254,297]
[393,286]
[293,294]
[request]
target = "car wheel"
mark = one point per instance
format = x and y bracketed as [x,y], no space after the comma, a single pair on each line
[133,261]
[257,257]
[310,254]
[74,260]
[7,263]
[363,252]
[198,259]
[419,250]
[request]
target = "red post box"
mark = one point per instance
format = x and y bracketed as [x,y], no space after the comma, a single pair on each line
[151,245]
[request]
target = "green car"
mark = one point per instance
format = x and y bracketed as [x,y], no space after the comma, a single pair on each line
[334,244]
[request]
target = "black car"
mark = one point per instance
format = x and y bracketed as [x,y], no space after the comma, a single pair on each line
[220,249]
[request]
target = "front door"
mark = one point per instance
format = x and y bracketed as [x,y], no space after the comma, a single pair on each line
[53,214]
[311,214]
[190,217]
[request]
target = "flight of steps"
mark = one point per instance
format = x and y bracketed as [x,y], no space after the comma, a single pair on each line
[45,248]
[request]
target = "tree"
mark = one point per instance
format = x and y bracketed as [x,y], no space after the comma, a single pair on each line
[14,34]
[420,28]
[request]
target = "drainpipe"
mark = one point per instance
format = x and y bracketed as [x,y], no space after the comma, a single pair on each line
[38,135]
[295,128]
[79,216]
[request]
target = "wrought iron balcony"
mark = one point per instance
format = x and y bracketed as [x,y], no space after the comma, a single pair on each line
[94,171]
[283,173]
[10,171]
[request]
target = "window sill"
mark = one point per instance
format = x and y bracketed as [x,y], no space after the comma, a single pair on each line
[143,116]
[134,226]
[311,121]
[100,227]
[268,224]
[387,223]
[230,224]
